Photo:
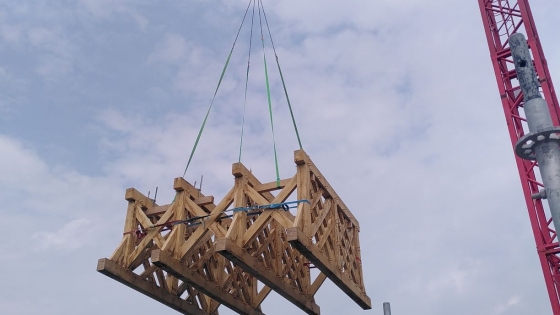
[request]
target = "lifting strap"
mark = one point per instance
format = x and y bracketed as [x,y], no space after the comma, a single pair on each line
[246,81]
[215,92]
[260,7]
[282,78]
[269,101]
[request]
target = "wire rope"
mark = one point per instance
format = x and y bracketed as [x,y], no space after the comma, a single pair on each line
[216,91]
[246,82]
[282,78]
[269,100]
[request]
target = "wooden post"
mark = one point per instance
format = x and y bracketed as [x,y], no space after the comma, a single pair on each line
[303,218]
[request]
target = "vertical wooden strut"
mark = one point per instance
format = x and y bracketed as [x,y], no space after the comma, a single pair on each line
[501,19]
[193,255]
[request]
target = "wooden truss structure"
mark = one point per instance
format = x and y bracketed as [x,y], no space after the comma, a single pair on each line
[193,255]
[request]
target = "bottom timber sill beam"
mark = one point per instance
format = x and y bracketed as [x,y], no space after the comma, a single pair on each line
[130,279]
[241,258]
[297,238]
[182,272]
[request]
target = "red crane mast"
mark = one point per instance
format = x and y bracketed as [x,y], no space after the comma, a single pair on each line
[501,19]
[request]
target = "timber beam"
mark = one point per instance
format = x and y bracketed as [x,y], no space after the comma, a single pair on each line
[240,257]
[184,273]
[133,195]
[134,281]
[219,253]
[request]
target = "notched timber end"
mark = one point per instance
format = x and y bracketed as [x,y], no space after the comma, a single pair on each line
[300,157]
[272,186]
[297,238]
[220,245]
[101,264]
[132,195]
[180,184]
[239,170]
[204,201]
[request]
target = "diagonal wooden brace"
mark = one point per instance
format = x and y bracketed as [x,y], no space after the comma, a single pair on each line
[297,238]
[197,281]
[241,258]
[132,280]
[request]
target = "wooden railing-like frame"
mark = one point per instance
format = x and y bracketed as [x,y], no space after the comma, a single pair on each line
[194,255]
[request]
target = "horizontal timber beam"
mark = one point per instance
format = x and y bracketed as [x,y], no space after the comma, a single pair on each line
[202,202]
[156,210]
[180,184]
[184,273]
[239,170]
[272,186]
[297,238]
[206,202]
[244,260]
[132,280]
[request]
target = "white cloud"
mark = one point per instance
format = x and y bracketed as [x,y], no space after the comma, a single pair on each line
[513,301]
[10,33]
[71,236]
[106,8]
[395,102]
[451,280]
[187,60]
[173,49]
[18,165]
[59,52]
[37,197]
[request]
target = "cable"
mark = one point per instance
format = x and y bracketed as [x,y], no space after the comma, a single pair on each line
[282,78]
[216,91]
[246,82]
[269,101]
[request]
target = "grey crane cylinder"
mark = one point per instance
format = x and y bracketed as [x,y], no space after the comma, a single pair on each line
[386,308]
[543,141]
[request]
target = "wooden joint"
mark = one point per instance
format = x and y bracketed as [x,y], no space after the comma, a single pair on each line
[156,210]
[239,170]
[248,263]
[197,281]
[136,282]
[133,195]
[300,157]
[180,184]
[297,238]
[204,201]
[266,187]
[280,260]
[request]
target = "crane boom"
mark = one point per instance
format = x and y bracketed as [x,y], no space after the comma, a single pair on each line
[501,19]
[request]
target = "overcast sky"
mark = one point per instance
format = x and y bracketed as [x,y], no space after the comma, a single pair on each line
[395,100]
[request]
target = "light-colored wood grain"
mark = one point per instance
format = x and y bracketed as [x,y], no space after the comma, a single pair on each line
[128,278]
[179,270]
[216,260]
[249,264]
